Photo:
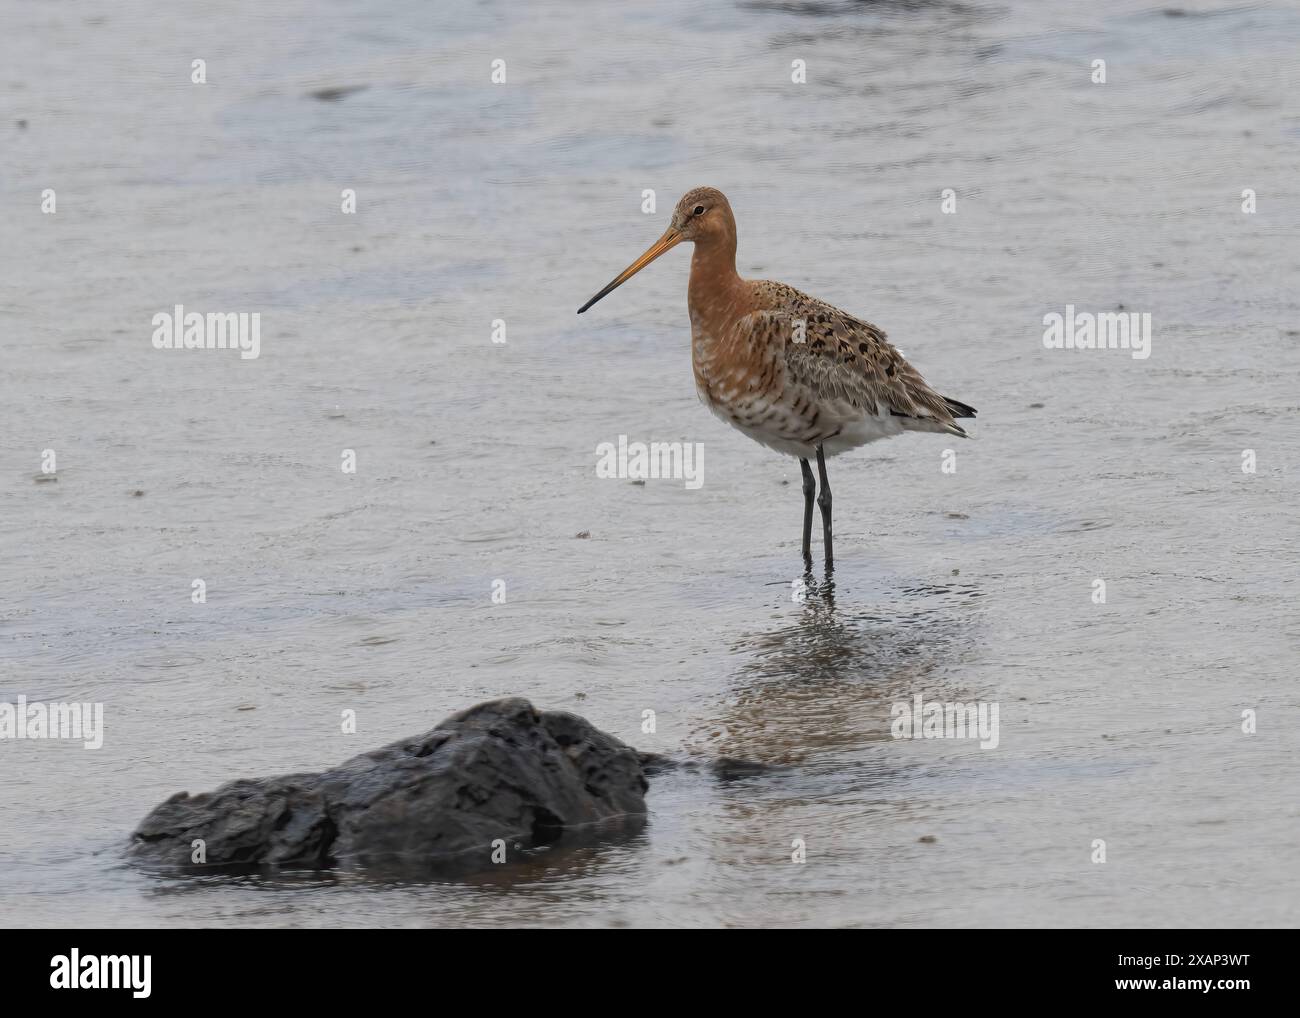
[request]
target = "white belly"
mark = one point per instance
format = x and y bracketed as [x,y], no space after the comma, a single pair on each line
[837,427]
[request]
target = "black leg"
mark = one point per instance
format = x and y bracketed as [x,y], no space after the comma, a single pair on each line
[809,490]
[824,500]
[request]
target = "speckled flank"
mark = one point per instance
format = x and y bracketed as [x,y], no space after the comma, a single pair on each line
[787,369]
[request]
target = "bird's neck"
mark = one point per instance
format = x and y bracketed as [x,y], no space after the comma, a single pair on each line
[713,273]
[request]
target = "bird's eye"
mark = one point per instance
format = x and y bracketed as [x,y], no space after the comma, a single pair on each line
[699,210]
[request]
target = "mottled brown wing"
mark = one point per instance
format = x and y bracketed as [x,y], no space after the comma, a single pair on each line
[841,357]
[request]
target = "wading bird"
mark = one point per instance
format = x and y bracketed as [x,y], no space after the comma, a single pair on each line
[784,368]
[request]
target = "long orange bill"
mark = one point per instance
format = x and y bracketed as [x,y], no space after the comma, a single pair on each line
[667,242]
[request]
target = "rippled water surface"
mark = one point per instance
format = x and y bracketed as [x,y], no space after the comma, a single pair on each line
[476,461]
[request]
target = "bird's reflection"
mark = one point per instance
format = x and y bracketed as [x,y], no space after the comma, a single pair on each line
[823,682]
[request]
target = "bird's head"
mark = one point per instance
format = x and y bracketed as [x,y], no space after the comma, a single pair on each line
[703,216]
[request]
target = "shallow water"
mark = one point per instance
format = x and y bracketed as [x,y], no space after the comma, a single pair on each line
[476,461]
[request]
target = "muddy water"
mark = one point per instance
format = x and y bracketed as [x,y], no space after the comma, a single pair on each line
[1119,721]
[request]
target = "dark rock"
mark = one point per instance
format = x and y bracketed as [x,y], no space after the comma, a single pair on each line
[723,768]
[337,92]
[655,764]
[727,768]
[501,770]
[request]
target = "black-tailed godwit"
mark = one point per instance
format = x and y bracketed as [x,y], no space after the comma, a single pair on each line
[791,372]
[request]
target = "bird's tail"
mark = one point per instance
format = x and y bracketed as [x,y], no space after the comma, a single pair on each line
[931,422]
[958,409]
